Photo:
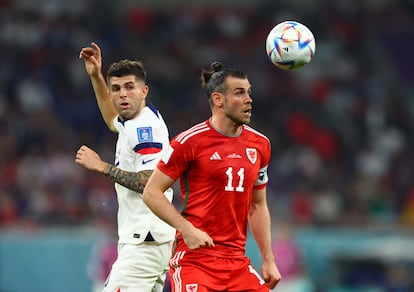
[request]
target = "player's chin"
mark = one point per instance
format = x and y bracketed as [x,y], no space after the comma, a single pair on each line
[126,114]
[245,120]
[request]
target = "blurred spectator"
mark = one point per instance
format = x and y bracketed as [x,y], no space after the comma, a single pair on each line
[290,262]
[101,259]
[399,278]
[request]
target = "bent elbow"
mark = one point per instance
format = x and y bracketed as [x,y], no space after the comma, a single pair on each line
[145,196]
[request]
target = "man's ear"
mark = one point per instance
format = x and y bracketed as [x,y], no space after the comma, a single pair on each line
[217,99]
[145,90]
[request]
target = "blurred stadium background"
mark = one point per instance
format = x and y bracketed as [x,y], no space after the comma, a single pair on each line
[341,189]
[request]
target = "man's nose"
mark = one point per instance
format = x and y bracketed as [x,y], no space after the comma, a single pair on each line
[122,92]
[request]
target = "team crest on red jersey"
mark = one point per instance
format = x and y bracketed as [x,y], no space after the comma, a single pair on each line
[251,154]
[191,287]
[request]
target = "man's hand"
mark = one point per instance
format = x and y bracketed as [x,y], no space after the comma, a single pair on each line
[195,238]
[271,273]
[93,59]
[90,160]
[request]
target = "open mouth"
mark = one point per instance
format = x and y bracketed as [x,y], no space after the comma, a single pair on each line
[124,105]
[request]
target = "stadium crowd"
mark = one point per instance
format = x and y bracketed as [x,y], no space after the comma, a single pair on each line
[341,128]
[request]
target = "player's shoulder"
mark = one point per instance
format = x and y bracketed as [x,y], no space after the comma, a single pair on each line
[255,133]
[151,109]
[149,114]
[148,117]
[193,133]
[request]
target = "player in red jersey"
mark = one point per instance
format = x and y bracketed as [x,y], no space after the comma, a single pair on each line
[222,166]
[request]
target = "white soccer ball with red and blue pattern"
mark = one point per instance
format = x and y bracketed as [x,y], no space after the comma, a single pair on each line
[290,45]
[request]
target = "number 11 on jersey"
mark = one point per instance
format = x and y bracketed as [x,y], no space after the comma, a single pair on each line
[229,187]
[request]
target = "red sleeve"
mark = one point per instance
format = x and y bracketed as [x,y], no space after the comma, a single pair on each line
[177,159]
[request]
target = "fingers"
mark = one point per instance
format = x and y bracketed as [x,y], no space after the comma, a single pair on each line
[80,153]
[96,48]
[272,278]
[83,148]
[78,157]
[207,241]
[272,283]
[88,52]
[210,242]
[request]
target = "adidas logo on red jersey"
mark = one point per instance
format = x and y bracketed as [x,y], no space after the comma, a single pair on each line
[215,156]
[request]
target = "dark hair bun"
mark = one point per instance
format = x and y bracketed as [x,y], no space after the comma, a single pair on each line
[216,66]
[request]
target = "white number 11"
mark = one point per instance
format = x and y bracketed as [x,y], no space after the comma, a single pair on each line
[229,187]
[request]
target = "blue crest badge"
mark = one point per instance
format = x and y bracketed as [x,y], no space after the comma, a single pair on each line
[144,134]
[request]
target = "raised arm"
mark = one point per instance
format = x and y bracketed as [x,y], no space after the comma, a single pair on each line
[259,220]
[93,64]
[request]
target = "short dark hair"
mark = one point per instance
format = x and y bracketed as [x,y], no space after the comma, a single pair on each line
[213,78]
[127,67]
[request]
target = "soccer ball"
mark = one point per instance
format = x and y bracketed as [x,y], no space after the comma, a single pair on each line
[290,45]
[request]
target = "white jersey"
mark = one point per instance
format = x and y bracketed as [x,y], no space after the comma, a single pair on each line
[141,143]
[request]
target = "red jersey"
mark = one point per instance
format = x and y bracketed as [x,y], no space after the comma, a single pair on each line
[217,176]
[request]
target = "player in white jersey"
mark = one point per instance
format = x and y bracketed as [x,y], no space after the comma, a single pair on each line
[144,245]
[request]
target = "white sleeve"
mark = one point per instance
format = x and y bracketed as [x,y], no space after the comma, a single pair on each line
[262,178]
